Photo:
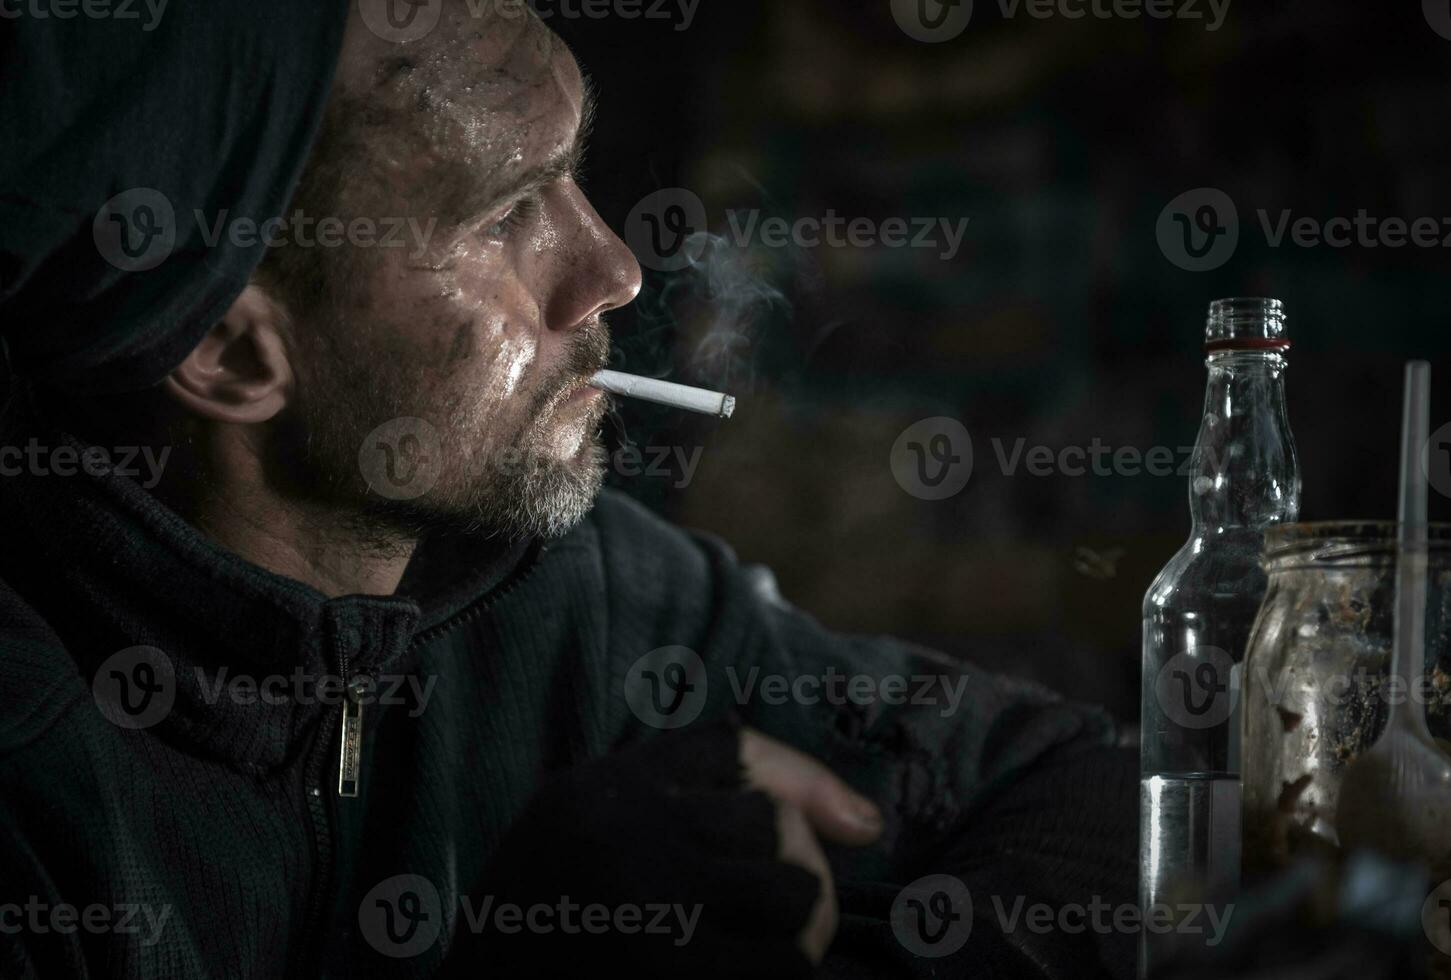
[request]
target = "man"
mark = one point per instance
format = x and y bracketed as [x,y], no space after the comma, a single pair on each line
[364,675]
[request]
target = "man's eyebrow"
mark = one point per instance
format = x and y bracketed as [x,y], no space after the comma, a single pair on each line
[564,164]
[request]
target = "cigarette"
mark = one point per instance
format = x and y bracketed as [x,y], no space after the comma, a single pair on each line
[665,393]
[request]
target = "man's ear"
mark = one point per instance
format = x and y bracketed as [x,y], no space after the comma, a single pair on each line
[240,372]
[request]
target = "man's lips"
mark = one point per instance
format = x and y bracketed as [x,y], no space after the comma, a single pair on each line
[584,392]
[578,391]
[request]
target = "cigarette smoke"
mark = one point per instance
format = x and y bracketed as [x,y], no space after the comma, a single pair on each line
[707,317]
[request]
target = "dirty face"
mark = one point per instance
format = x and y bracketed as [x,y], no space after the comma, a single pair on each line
[486,318]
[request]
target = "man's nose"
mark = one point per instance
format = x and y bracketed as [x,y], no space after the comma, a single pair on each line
[598,273]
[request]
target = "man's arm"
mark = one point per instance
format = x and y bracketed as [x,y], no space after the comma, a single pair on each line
[957,758]
[1014,792]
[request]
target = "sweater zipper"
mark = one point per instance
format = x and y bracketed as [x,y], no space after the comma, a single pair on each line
[350,736]
[350,759]
[350,733]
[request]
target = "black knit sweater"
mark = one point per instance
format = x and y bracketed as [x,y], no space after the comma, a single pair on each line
[514,746]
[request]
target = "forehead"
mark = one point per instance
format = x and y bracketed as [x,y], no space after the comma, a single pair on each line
[492,93]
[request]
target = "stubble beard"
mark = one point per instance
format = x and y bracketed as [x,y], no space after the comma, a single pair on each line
[511,484]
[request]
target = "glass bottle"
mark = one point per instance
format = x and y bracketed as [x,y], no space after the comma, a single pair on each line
[1198,614]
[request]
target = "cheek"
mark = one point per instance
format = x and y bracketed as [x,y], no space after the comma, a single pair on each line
[471,323]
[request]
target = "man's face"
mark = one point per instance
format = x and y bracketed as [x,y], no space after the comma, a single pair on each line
[487,330]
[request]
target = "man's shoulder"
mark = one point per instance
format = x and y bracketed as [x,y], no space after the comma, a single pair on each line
[39,681]
[657,579]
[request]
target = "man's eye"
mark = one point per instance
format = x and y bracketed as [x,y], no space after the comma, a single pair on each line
[520,213]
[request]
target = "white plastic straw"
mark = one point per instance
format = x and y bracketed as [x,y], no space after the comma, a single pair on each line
[1410,610]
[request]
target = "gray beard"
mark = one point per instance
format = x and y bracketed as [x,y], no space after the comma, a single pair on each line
[318,459]
[545,501]
[476,491]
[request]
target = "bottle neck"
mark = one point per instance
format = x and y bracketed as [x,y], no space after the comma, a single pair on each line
[1244,474]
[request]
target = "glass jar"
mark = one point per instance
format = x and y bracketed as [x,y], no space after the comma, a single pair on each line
[1317,683]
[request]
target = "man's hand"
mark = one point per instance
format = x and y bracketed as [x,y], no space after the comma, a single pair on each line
[717,822]
[810,800]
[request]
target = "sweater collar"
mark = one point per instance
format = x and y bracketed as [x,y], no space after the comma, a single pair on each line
[111,569]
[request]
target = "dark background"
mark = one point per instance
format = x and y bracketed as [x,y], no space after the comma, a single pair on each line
[1059,321]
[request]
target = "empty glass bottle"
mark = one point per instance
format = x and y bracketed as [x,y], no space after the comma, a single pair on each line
[1198,615]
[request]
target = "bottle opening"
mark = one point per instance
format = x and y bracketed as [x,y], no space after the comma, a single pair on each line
[1246,323]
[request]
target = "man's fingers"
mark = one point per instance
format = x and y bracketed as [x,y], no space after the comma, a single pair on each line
[830,806]
[798,846]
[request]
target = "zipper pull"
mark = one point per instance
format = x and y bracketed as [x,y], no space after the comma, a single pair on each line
[350,743]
